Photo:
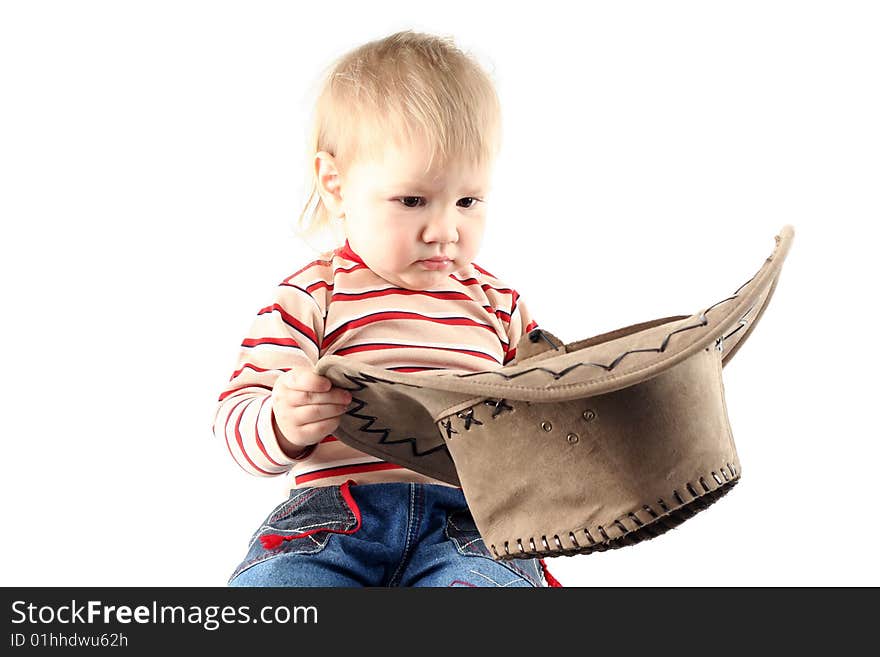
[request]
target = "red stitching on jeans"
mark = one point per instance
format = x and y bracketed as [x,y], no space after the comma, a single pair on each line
[272,541]
[462,583]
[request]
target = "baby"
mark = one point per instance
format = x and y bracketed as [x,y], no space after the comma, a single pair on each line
[406,130]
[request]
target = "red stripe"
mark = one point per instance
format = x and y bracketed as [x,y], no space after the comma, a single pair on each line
[313,263]
[482,271]
[318,285]
[346,469]
[379,346]
[468,282]
[308,290]
[400,315]
[241,446]
[531,327]
[251,366]
[226,435]
[291,321]
[227,393]
[501,290]
[343,270]
[280,342]
[384,292]
[259,440]
[513,301]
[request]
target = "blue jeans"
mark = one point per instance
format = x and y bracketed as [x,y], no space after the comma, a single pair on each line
[394,534]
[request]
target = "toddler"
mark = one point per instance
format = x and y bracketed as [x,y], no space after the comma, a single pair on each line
[405,133]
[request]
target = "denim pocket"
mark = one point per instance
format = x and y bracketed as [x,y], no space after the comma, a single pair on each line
[303,524]
[462,531]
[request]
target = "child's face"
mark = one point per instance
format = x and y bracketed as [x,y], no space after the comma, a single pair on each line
[395,217]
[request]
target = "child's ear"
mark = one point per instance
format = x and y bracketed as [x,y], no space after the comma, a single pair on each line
[328,183]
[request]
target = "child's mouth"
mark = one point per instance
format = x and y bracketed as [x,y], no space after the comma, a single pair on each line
[435,264]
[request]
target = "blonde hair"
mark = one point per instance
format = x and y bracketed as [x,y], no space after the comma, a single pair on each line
[407,87]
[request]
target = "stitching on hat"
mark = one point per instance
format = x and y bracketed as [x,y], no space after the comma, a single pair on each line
[703,321]
[359,381]
[641,529]
[561,373]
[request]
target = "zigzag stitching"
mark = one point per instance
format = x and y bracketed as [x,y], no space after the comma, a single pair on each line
[558,375]
[365,427]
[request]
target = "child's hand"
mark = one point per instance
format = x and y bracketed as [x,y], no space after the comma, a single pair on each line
[305,408]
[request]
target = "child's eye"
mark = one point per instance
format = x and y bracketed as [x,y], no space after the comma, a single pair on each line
[417,199]
[404,200]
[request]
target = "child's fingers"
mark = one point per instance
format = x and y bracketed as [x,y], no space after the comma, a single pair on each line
[297,398]
[306,387]
[305,415]
[309,423]
[317,431]
[299,378]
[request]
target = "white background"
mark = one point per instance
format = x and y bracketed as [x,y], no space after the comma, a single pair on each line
[151,175]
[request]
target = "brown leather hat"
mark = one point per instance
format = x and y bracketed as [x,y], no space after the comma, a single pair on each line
[574,448]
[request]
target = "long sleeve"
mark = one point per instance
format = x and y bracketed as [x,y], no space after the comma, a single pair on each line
[285,333]
[521,322]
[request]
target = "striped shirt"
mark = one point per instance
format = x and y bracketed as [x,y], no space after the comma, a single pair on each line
[337,305]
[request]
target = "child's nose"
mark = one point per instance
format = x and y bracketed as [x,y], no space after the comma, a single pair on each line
[442,227]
